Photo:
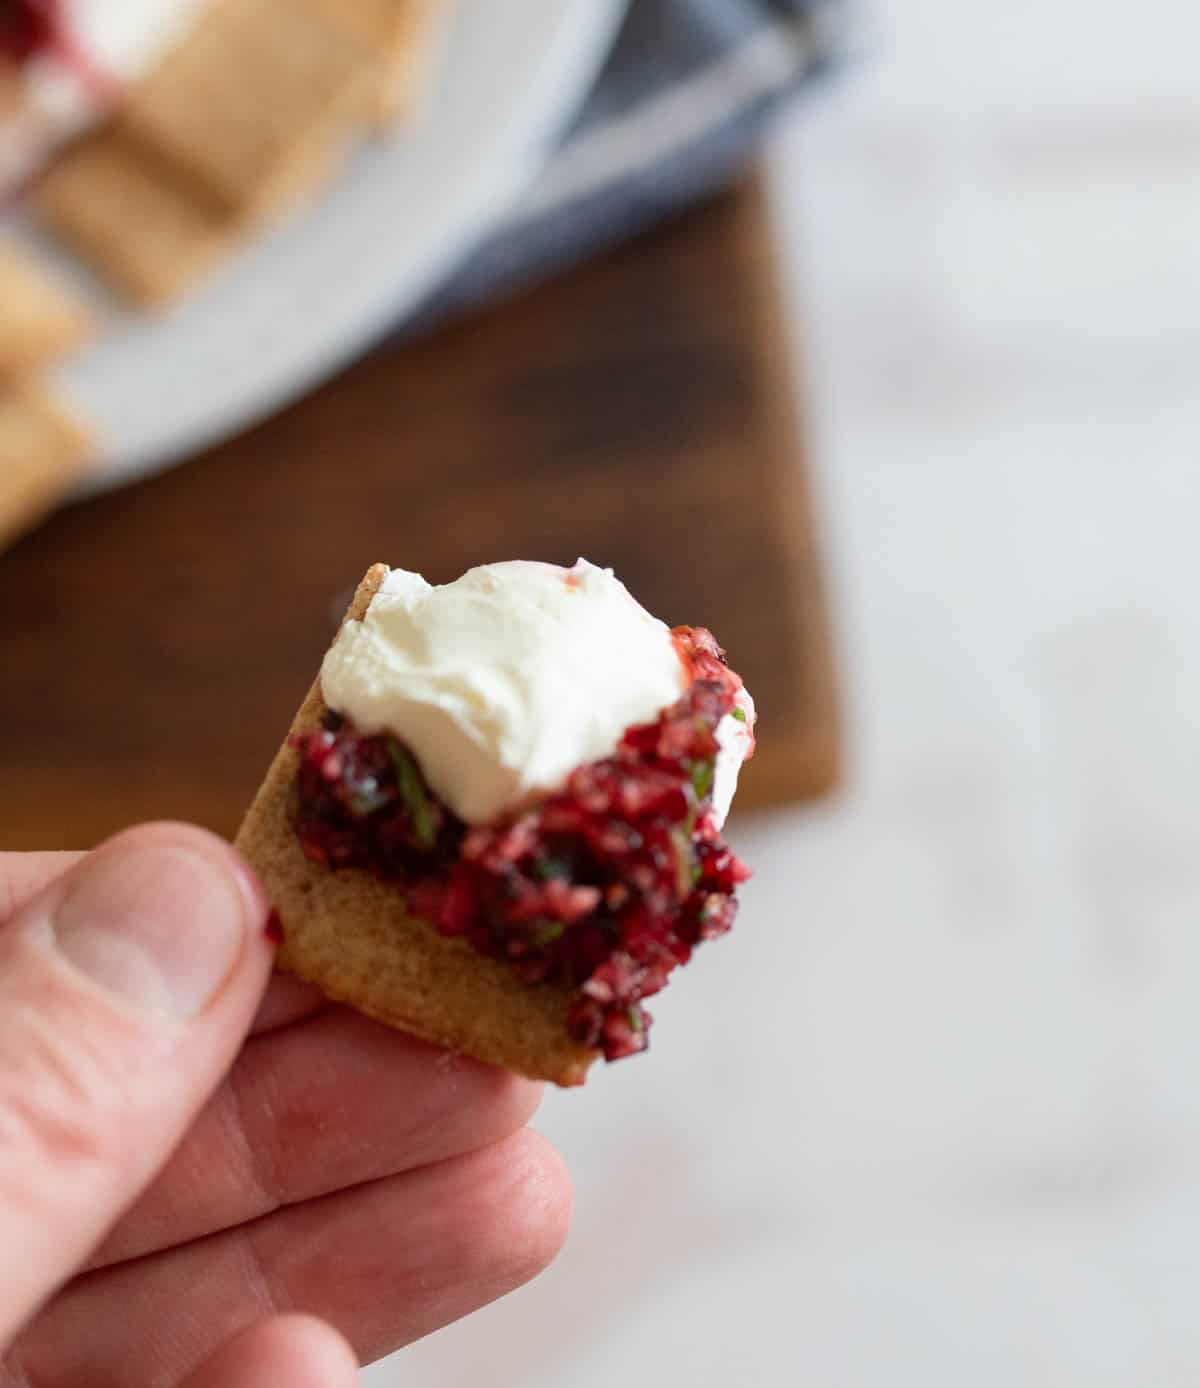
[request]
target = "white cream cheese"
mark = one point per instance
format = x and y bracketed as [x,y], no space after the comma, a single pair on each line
[735,738]
[506,680]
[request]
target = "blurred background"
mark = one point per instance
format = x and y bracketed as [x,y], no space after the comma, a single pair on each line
[905,406]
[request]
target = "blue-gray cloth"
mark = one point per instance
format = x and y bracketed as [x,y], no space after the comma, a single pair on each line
[677,110]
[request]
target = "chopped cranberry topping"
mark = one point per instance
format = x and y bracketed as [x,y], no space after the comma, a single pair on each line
[25,27]
[30,27]
[703,659]
[604,887]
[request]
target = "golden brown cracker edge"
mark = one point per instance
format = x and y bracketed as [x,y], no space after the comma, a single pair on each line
[43,452]
[409,37]
[256,96]
[136,222]
[350,935]
[40,319]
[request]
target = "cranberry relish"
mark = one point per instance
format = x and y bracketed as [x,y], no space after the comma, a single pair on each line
[603,887]
[32,28]
[25,27]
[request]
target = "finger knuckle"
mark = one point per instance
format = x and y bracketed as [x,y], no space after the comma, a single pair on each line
[60,1106]
[529,1209]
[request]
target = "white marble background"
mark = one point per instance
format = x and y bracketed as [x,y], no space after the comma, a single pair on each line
[932,1117]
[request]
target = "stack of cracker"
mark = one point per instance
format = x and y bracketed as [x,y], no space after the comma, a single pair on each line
[42,450]
[246,117]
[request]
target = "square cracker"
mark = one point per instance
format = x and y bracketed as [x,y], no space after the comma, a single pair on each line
[40,320]
[258,93]
[139,224]
[350,934]
[408,36]
[42,452]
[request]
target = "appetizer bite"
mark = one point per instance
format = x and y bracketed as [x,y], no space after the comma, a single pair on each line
[496,820]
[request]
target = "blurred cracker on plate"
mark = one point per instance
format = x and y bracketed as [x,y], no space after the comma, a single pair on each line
[40,320]
[255,99]
[408,36]
[139,224]
[43,452]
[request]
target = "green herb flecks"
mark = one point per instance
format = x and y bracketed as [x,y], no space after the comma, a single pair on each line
[547,869]
[702,778]
[686,862]
[412,792]
[546,932]
[739,713]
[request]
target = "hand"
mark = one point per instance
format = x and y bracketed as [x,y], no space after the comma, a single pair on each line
[181,1205]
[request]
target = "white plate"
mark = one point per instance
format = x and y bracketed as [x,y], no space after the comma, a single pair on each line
[299,302]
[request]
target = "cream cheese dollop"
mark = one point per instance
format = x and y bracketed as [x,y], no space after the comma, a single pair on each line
[504,681]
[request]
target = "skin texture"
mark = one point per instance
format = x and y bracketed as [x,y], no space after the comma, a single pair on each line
[264,1192]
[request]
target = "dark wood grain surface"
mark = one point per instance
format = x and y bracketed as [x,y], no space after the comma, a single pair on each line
[637,412]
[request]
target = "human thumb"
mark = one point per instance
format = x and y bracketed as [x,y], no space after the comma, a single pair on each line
[126,988]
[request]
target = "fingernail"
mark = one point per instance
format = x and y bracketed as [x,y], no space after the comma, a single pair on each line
[160,925]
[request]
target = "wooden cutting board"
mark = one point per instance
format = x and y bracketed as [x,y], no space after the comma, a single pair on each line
[638,411]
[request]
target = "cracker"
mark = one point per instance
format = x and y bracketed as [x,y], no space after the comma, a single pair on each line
[412,62]
[408,36]
[139,224]
[42,453]
[40,321]
[255,98]
[349,933]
